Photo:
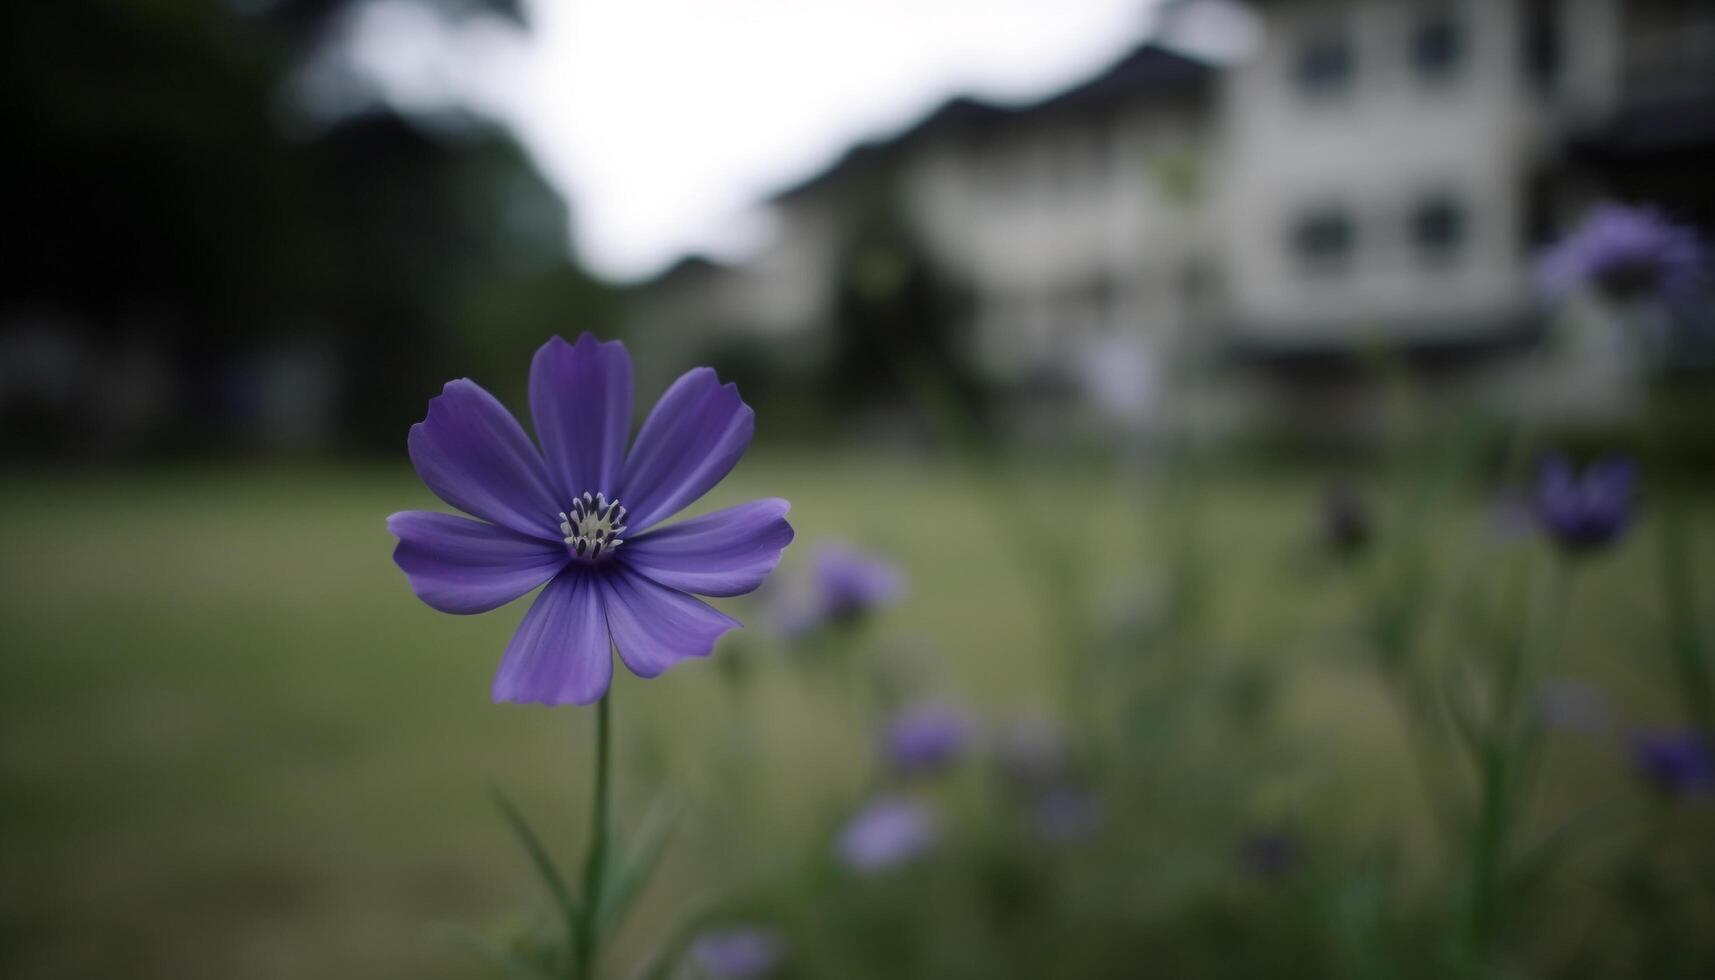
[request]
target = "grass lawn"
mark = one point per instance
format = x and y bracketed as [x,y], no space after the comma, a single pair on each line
[233,744]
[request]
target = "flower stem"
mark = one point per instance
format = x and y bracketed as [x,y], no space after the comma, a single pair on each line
[1685,635]
[595,866]
[1679,582]
[1508,755]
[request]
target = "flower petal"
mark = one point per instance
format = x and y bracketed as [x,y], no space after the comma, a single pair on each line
[561,653]
[472,453]
[692,438]
[655,627]
[458,565]
[580,399]
[728,552]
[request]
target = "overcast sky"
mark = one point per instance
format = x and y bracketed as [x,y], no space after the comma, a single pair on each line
[664,120]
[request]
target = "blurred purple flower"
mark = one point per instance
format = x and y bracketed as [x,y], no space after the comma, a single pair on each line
[738,954]
[925,739]
[1585,512]
[1567,704]
[1065,813]
[850,583]
[1031,750]
[846,585]
[1626,253]
[1345,519]
[1269,853]
[888,832]
[1676,764]
[555,516]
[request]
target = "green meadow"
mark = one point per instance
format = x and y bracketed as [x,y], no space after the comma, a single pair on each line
[232,743]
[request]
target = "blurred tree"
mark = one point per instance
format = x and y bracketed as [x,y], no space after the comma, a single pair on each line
[161,184]
[897,318]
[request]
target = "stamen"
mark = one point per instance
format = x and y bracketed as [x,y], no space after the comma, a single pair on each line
[593,525]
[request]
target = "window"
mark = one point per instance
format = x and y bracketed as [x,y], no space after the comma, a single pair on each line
[1437,46]
[1325,64]
[1438,227]
[1323,239]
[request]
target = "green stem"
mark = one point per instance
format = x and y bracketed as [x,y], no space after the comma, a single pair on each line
[1508,755]
[595,866]
[1684,632]
[1422,732]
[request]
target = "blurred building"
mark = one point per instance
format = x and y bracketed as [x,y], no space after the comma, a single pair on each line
[1185,240]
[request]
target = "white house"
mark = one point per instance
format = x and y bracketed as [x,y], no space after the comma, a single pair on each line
[1372,175]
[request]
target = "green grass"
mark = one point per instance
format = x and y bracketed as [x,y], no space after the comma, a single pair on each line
[233,744]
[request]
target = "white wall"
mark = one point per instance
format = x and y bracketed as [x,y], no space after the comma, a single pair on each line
[1375,149]
[1064,230]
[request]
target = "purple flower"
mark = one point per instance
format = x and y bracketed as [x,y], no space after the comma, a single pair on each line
[1269,853]
[925,739]
[851,584]
[1676,764]
[615,577]
[1066,813]
[890,831]
[738,954]
[1585,512]
[1625,252]
[1567,704]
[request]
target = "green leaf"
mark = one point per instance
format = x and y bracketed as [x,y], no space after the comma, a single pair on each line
[550,874]
[637,863]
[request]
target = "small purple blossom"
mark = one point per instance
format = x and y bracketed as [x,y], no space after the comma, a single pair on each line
[1676,764]
[925,739]
[888,832]
[1567,704]
[1585,511]
[1625,253]
[738,954]
[616,577]
[1066,813]
[1269,853]
[851,584]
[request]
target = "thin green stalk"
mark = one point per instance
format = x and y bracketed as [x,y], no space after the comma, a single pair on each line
[1507,755]
[1679,585]
[1393,640]
[1422,730]
[1685,634]
[1545,637]
[595,866]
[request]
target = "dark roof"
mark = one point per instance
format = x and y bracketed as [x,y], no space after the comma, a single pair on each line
[1147,69]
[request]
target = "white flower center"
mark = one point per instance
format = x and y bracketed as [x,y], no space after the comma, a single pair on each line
[593,526]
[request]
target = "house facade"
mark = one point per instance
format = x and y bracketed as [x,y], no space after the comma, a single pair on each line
[1178,238]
